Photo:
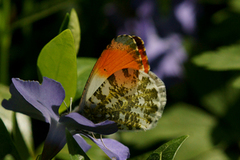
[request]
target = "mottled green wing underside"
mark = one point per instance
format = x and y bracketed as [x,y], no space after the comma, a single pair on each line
[132,98]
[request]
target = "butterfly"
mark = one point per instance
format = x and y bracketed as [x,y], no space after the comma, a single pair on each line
[122,88]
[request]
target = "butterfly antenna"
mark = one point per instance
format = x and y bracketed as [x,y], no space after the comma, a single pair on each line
[66,106]
[105,146]
[93,135]
[113,158]
[70,106]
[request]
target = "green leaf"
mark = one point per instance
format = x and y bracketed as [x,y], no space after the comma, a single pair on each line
[76,157]
[5,115]
[236,82]
[84,68]
[64,23]
[63,154]
[6,145]
[74,149]
[168,150]
[225,58]
[234,5]
[74,26]
[178,119]
[142,156]
[24,126]
[9,157]
[57,60]
[95,152]
[19,141]
[218,101]
[71,22]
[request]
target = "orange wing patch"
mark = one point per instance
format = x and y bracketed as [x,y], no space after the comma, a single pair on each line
[124,52]
[116,57]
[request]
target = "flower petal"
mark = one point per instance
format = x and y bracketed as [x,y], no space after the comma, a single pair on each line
[55,141]
[81,142]
[75,121]
[115,149]
[35,100]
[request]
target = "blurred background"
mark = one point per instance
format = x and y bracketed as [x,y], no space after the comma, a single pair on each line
[201,103]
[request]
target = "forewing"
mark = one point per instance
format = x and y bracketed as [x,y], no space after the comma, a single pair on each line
[123,52]
[132,98]
[142,52]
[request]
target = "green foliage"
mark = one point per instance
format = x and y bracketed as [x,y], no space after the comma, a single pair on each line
[5,39]
[95,152]
[5,115]
[76,157]
[179,119]
[74,26]
[225,58]
[84,68]
[168,150]
[236,82]
[57,60]
[71,22]
[19,140]
[205,105]
[74,149]
[235,5]
[7,146]
[64,23]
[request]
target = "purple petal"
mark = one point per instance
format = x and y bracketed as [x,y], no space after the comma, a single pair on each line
[171,59]
[55,141]
[185,12]
[35,100]
[75,121]
[81,142]
[114,148]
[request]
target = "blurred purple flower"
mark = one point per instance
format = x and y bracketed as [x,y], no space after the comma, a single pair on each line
[162,35]
[185,13]
[43,101]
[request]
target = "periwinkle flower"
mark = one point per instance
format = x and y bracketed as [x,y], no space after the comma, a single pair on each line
[42,101]
[162,34]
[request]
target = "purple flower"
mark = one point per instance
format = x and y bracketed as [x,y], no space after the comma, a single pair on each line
[43,101]
[162,34]
[185,13]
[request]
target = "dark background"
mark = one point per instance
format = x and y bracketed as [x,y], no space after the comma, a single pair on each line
[30,24]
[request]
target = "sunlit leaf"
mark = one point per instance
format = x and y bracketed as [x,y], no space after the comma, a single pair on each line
[71,22]
[5,115]
[76,157]
[84,68]
[74,26]
[168,150]
[25,126]
[225,58]
[19,141]
[63,154]
[57,60]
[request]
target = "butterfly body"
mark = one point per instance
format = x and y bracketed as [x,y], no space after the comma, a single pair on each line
[122,89]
